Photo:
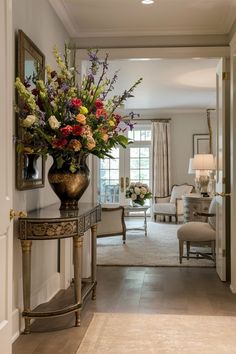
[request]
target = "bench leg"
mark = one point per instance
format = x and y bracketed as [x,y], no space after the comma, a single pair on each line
[181,247]
[188,248]
[213,250]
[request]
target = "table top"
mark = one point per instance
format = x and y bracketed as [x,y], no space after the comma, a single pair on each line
[136,208]
[53,212]
[196,196]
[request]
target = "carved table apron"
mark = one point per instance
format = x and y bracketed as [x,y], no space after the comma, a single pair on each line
[50,223]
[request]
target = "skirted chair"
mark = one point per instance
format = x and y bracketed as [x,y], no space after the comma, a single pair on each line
[171,205]
[112,223]
[197,233]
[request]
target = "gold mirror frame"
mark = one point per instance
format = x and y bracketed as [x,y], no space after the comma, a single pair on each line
[25,178]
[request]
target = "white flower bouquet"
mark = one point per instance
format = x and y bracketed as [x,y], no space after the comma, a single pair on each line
[138,192]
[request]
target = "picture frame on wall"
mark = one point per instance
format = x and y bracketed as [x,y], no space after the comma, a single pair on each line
[201,144]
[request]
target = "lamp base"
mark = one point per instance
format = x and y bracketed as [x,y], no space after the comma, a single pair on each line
[202,184]
[204,194]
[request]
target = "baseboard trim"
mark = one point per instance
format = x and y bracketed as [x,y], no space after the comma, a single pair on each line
[46,291]
[233,290]
[15,324]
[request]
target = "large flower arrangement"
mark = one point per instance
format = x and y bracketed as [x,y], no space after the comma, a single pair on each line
[138,192]
[67,120]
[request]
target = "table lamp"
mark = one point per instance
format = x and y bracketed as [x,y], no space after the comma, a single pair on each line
[191,171]
[204,164]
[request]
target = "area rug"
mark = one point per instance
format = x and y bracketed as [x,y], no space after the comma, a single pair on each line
[159,334]
[159,248]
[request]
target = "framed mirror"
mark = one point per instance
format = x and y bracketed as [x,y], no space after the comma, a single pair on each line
[30,168]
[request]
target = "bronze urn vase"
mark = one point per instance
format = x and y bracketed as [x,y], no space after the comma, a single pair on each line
[68,186]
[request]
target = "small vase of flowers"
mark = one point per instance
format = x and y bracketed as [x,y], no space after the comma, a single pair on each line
[138,193]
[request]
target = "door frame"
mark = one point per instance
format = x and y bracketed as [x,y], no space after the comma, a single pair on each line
[6,109]
[233,159]
[184,53]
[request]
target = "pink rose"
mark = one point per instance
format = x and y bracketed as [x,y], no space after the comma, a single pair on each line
[101,112]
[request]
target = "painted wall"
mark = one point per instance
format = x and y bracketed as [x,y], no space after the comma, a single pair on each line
[38,20]
[183,126]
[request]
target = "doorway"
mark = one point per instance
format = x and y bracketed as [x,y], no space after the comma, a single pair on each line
[129,165]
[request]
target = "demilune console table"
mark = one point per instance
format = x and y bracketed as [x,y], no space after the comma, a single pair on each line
[50,223]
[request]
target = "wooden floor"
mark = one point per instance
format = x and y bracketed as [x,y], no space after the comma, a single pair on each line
[135,290]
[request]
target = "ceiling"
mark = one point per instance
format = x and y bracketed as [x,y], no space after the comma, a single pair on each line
[168,84]
[110,18]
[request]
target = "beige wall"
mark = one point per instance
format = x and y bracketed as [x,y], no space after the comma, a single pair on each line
[38,20]
[183,126]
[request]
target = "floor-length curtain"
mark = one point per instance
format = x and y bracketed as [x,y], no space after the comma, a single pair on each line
[161,184]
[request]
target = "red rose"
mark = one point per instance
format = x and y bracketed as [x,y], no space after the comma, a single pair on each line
[76,102]
[98,104]
[101,112]
[78,130]
[66,130]
[59,143]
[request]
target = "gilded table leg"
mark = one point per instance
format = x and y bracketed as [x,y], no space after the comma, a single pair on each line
[77,254]
[94,260]
[26,270]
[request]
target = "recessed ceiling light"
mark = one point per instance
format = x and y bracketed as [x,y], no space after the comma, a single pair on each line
[147,2]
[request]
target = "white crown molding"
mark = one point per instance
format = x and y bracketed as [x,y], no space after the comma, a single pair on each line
[171,52]
[151,113]
[63,15]
[229,19]
[152,32]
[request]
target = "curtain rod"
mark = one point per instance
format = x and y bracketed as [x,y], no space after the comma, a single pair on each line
[161,120]
[152,120]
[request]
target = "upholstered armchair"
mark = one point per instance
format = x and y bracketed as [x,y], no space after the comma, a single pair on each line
[197,233]
[172,205]
[112,223]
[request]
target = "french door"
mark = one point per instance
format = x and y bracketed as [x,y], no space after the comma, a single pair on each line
[132,164]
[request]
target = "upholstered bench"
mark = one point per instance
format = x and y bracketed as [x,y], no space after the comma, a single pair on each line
[199,233]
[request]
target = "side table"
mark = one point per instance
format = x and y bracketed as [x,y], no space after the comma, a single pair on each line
[50,223]
[144,209]
[195,203]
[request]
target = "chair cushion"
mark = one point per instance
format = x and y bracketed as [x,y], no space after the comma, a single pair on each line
[179,191]
[164,208]
[196,231]
[212,210]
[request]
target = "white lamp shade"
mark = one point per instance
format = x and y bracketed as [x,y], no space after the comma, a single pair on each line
[190,167]
[203,162]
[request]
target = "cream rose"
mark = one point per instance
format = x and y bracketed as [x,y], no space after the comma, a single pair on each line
[53,122]
[143,190]
[29,121]
[91,143]
[137,190]
[133,196]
